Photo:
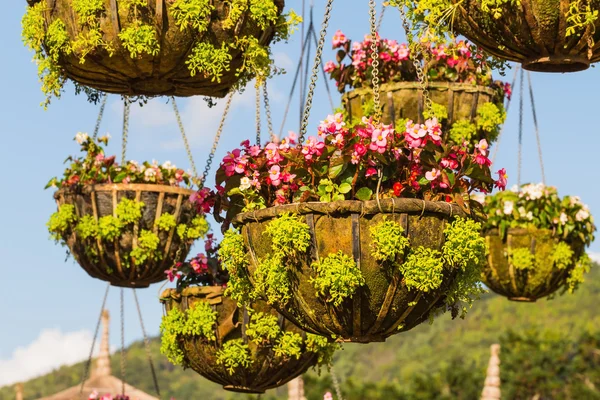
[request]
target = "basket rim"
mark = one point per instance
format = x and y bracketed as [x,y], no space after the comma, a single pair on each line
[127,187]
[194,291]
[371,207]
[390,86]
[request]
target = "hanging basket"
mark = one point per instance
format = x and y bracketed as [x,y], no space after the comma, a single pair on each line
[112,261]
[266,369]
[384,305]
[542,279]
[532,32]
[405,100]
[160,70]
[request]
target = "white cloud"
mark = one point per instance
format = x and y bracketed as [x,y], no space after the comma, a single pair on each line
[595,256]
[50,350]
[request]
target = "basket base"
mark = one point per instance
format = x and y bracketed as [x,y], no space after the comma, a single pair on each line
[364,339]
[557,64]
[130,285]
[242,389]
[522,299]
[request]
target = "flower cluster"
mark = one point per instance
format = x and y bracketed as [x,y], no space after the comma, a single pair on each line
[96,396]
[363,162]
[539,206]
[97,168]
[446,61]
[202,270]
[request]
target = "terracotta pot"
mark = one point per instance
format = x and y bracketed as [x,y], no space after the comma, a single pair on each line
[501,276]
[382,307]
[112,262]
[266,371]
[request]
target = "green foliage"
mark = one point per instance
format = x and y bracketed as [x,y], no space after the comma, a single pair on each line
[289,345]
[257,60]
[129,211]
[147,248]
[521,258]
[209,61]
[172,325]
[489,119]
[166,222]
[263,328]
[330,191]
[61,221]
[109,228]
[337,278]
[580,17]
[88,11]
[320,345]
[234,354]
[389,243]
[423,269]
[33,23]
[576,277]
[198,228]
[192,14]
[464,249]
[87,227]
[462,130]
[438,111]
[140,38]
[264,12]
[201,320]
[289,234]
[57,40]
[234,259]
[562,255]
[272,281]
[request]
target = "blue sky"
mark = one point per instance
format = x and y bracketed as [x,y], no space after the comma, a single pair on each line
[43,293]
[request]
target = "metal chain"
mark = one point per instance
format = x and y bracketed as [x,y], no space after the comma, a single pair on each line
[122,343]
[258,122]
[336,383]
[537,130]
[213,150]
[184,137]
[86,367]
[508,103]
[146,344]
[315,70]
[100,115]
[375,58]
[381,15]
[421,76]
[268,112]
[520,156]
[126,110]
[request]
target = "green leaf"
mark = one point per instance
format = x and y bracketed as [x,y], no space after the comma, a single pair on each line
[364,194]
[345,188]
[119,178]
[336,169]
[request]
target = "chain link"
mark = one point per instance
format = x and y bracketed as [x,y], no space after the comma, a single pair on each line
[184,137]
[315,70]
[375,58]
[381,15]
[336,383]
[268,112]
[126,110]
[122,343]
[520,156]
[86,366]
[258,121]
[213,150]
[146,344]
[100,115]
[537,130]
[421,76]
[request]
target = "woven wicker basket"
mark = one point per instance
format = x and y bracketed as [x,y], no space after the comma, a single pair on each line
[267,371]
[382,307]
[526,285]
[102,200]
[532,32]
[160,75]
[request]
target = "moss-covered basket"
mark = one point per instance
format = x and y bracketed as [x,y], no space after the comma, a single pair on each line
[405,100]
[266,369]
[384,304]
[531,32]
[111,260]
[536,274]
[154,64]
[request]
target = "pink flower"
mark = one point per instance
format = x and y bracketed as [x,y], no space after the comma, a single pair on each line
[483,147]
[452,61]
[339,39]
[274,175]
[332,124]
[449,163]
[254,151]
[312,148]
[433,174]
[502,179]
[483,160]
[329,66]
[272,153]
[379,140]
[415,135]
[370,172]
[360,149]
[434,130]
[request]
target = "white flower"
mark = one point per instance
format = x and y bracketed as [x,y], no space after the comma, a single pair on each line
[478,197]
[498,212]
[575,200]
[514,188]
[563,218]
[529,216]
[508,207]
[521,211]
[245,183]
[168,166]
[582,215]
[81,138]
[149,174]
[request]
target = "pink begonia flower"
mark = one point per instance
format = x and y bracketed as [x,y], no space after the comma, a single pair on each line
[274,174]
[272,153]
[379,140]
[415,134]
[254,151]
[370,172]
[339,39]
[502,179]
[356,46]
[332,124]
[312,147]
[229,162]
[360,149]
[483,160]
[329,66]
[245,144]
[434,130]
[433,174]
[483,147]
[240,166]
[338,140]
[464,48]
[403,52]
[452,61]
[449,163]
[328,396]
[287,177]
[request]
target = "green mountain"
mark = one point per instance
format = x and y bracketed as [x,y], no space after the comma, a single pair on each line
[550,349]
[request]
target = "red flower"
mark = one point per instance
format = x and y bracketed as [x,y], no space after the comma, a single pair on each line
[398,188]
